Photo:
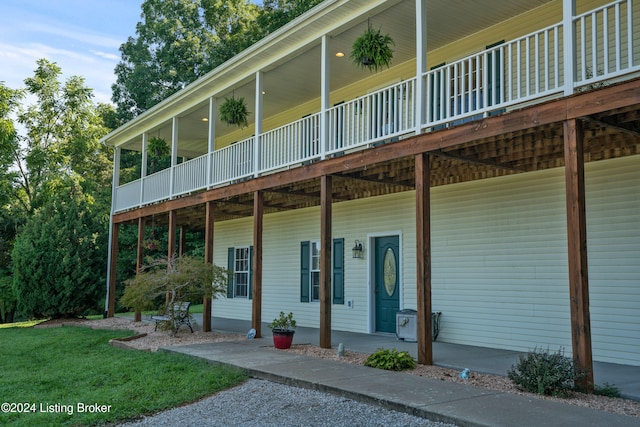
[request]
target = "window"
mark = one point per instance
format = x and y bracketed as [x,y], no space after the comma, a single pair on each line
[314,273]
[239,266]
[241,273]
[310,253]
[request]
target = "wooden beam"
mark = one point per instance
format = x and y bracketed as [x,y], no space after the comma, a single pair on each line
[423,261]
[111,305]
[208,258]
[472,160]
[258,214]
[612,126]
[375,181]
[142,226]
[325,261]
[577,241]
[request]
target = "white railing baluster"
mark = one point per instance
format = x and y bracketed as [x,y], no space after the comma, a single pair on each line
[629,34]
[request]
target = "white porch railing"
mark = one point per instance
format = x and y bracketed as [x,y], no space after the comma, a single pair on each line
[516,72]
[156,187]
[190,175]
[290,144]
[127,195]
[606,42]
[233,162]
[382,115]
[510,73]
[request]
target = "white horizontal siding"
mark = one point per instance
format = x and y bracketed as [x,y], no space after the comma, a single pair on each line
[613,233]
[499,260]
[499,266]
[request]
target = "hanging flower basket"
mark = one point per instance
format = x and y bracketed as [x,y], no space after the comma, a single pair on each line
[233,111]
[372,50]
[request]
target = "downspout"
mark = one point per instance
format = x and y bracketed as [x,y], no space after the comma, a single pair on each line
[114,185]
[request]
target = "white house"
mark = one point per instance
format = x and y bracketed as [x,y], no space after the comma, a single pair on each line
[491,173]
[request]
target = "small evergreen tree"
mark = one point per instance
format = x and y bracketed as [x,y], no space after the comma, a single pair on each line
[57,258]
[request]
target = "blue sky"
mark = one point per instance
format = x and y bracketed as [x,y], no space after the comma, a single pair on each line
[81,36]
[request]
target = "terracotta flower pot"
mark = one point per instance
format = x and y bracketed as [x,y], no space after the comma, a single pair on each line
[282,339]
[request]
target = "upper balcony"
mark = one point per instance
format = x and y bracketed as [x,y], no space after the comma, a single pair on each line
[309,104]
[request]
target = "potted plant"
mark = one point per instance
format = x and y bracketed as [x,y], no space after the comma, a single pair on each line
[233,111]
[283,330]
[372,50]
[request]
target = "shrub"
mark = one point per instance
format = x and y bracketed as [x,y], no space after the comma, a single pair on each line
[58,258]
[606,389]
[542,372]
[391,360]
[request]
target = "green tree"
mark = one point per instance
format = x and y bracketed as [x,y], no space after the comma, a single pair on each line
[276,13]
[62,128]
[58,153]
[58,257]
[182,278]
[178,41]
[173,46]
[9,145]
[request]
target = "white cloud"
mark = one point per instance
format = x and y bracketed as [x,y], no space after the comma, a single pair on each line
[105,55]
[76,34]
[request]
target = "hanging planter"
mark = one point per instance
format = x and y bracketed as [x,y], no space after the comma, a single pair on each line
[372,50]
[233,111]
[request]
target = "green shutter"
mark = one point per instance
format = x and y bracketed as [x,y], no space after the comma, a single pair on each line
[231,256]
[304,271]
[338,271]
[250,272]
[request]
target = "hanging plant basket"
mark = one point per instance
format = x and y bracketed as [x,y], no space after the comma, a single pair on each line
[372,50]
[233,111]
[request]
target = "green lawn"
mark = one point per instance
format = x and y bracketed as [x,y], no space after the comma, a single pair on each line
[53,375]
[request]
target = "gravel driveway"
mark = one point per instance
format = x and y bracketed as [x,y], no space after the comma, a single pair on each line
[263,403]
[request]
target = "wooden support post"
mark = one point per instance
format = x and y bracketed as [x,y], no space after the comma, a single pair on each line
[171,239]
[111,305]
[142,226]
[208,258]
[325,261]
[258,213]
[577,242]
[423,261]
[183,240]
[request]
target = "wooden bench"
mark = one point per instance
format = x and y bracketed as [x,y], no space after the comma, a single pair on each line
[180,316]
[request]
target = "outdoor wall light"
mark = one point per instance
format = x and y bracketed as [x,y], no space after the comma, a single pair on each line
[358,249]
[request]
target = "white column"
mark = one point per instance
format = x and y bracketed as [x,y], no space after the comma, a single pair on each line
[258,124]
[325,94]
[568,30]
[143,167]
[211,138]
[174,155]
[114,187]
[421,64]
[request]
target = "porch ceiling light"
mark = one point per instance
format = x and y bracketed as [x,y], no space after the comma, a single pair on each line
[205,119]
[340,54]
[358,249]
